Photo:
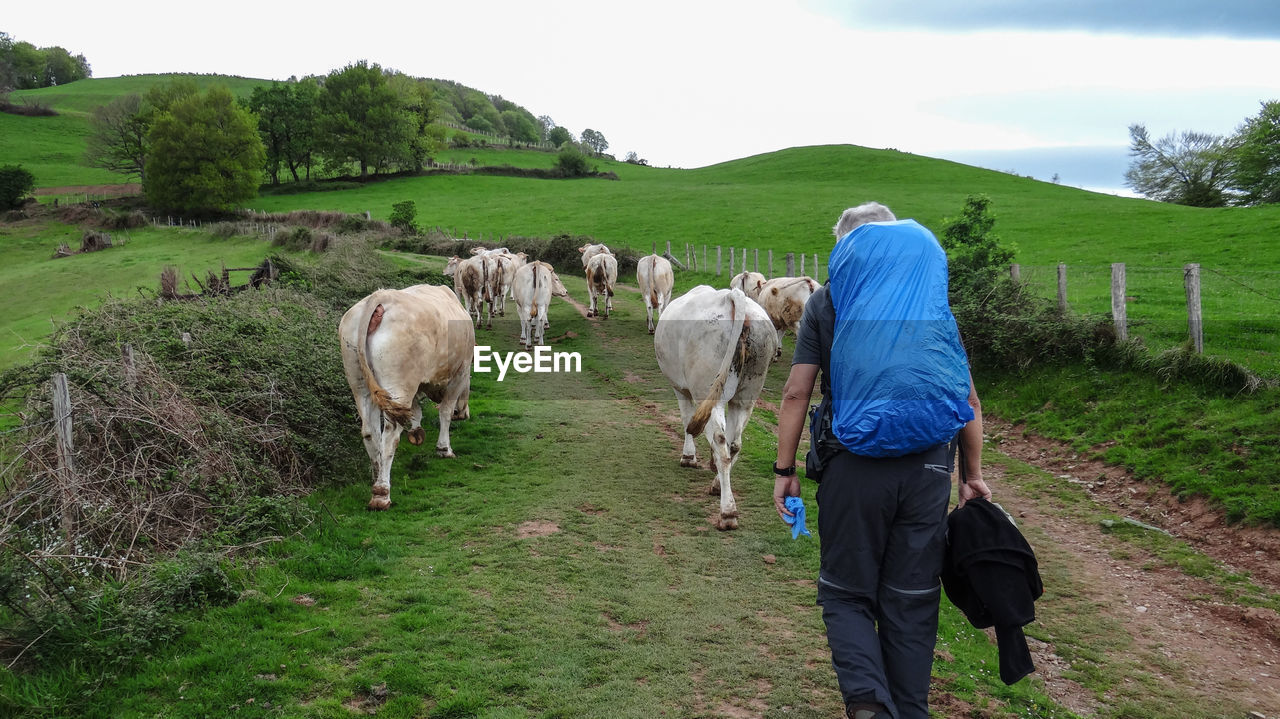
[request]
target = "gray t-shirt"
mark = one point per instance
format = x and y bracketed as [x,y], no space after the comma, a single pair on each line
[817,332]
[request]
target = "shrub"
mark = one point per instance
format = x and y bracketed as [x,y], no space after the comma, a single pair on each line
[571,162]
[294,240]
[15,183]
[403,215]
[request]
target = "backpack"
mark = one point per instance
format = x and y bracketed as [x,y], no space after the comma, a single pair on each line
[899,373]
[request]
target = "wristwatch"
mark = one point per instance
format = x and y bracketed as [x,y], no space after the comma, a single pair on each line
[784,471]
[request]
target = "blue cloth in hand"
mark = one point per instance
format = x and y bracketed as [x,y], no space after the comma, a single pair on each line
[795,505]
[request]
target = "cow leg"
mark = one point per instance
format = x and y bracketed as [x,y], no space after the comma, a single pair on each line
[689,456]
[524,327]
[542,324]
[721,456]
[416,434]
[648,313]
[458,388]
[388,437]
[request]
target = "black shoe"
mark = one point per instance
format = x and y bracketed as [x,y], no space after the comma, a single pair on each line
[866,711]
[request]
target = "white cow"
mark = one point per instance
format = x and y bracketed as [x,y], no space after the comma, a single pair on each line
[589,251]
[715,346]
[397,345]
[534,285]
[749,282]
[602,274]
[784,299]
[655,277]
[472,284]
[505,264]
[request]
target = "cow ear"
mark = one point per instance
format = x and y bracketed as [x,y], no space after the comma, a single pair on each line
[582,249]
[775,290]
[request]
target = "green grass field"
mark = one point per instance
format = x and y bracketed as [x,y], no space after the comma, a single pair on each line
[39,290]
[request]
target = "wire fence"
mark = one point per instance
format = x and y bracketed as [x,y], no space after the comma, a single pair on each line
[1240,309]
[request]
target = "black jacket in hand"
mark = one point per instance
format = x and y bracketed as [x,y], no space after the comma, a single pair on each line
[991,574]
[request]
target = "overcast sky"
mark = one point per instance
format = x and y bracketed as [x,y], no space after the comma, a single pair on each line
[1034,87]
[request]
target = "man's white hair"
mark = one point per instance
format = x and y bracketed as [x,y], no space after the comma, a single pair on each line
[855,217]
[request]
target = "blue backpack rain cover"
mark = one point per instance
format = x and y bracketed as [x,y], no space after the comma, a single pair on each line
[899,374]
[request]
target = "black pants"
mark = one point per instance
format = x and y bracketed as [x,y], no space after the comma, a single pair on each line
[883,526]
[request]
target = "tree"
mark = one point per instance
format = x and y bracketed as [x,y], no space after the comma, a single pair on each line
[286,121]
[546,125]
[1257,157]
[595,141]
[558,136]
[61,68]
[1190,168]
[205,154]
[15,183]
[117,138]
[361,120]
[419,102]
[975,257]
[634,159]
[118,131]
[403,216]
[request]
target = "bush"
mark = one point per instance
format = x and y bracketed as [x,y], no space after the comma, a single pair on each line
[295,240]
[571,162]
[403,215]
[15,183]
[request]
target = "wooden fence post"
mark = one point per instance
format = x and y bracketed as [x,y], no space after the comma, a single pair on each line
[1062,287]
[717,260]
[770,275]
[130,370]
[757,256]
[669,248]
[791,264]
[744,259]
[1195,322]
[704,259]
[802,264]
[731,254]
[1118,313]
[66,451]
[655,247]
[1015,272]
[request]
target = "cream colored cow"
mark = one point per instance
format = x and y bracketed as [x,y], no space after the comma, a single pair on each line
[749,282]
[535,284]
[715,347]
[399,345]
[473,285]
[602,275]
[589,251]
[784,299]
[656,278]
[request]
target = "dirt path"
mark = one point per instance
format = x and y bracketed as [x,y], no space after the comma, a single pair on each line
[1179,634]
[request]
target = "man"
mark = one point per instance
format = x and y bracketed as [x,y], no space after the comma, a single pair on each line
[883,496]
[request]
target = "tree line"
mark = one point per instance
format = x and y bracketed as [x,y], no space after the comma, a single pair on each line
[24,66]
[1207,170]
[195,150]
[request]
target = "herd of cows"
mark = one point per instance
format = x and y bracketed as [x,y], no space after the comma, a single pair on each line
[715,347]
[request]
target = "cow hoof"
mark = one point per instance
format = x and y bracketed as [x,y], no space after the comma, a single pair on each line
[688,460]
[379,504]
[417,436]
[445,452]
[714,489]
[727,523]
[650,331]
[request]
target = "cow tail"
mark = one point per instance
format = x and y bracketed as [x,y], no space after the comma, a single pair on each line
[651,291]
[396,412]
[738,316]
[533,306]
